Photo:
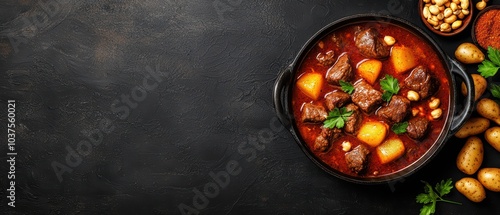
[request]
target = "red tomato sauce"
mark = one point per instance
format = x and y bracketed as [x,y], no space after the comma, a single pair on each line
[414,149]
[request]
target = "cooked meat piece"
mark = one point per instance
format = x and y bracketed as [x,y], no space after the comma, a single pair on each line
[338,41]
[357,158]
[417,127]
[341,70]
[353,122]
[370,44]
[326,59]
[365,96]
[397,109]
[324,139]
[313,113]
[421,81]
[336,99]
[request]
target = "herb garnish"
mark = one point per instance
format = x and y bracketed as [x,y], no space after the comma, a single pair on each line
[336,118]
[431,196]
[495,90]
[390,85]
[490,67]
[346,87]
[399,128]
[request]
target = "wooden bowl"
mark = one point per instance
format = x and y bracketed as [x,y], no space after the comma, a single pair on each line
[465,22]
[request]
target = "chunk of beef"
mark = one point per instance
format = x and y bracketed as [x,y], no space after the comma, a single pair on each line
[370,44]
[422,82]
[341,70]
[324,139]
[353,122]
[357,158]
[338,41]
[397,109]
[365,96]
[326,59]
[336,99]
[313,113]
[417,127]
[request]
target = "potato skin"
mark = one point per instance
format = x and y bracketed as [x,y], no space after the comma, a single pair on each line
[473,126]
[470,157]
[468,53]
[471,188]
[489,109]
[492,136]
[480,85]
[490,178]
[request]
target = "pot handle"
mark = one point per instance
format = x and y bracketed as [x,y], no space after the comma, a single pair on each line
[279,97]
[468,103]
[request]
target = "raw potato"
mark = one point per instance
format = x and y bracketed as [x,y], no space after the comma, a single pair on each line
[471,188]
[489,109]
[470,158]
[473,126]
[492,136]
[480,85]
[310,84]
[490,178]
[469,53]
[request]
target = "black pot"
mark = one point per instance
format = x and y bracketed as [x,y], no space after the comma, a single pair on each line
[457,115]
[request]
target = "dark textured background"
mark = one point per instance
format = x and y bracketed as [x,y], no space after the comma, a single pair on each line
[66,62]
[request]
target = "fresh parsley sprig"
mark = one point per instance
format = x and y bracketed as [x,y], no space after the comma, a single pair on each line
[495,90]
[346,87]
[399,128]
[336,118]
[490,67]
[434,195]
[390,85]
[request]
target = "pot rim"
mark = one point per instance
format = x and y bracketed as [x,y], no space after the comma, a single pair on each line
[449,64]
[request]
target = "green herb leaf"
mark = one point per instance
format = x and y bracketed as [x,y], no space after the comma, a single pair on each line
[336,118]
[428,209]
[430,197]
[399,128]
[346,87]
[444,187]
[423,198]
[390,85]
[494,55]
[487,68]
[495,90]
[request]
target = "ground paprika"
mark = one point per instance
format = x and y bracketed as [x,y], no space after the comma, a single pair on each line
[487,29]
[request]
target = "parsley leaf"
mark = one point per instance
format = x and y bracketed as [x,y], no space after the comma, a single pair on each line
[399,128]
[494,55]
[390,85]
[346,87]
[487,68]
[490,67]
[336,118]
[495,90]
[431,196]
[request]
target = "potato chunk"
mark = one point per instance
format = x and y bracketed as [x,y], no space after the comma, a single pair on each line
[372,133]
[402,59]
[390,150]
[369,70]
[310,84]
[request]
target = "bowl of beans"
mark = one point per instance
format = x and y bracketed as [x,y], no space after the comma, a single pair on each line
[486,27]
[446,17]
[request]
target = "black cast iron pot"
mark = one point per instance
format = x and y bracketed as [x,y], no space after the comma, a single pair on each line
[459,111]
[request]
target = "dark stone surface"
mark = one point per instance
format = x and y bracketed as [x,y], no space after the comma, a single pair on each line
[171,93]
